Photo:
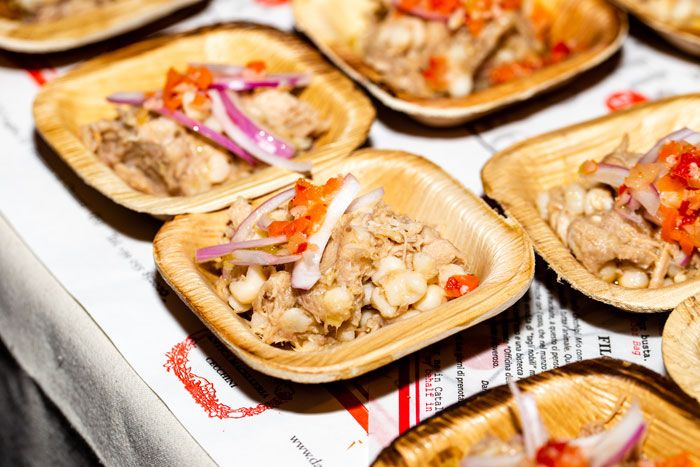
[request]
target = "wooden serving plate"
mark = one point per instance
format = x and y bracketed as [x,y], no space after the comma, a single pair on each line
[681,346]
[78,98]
[86,27]
[682,38]
[497,251]
[335,26]
[515,176]
[569,398]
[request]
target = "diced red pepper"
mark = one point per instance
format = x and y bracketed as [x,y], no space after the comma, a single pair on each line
[436,71]
[257,66]
[560,454]
[458,285]
[688,169]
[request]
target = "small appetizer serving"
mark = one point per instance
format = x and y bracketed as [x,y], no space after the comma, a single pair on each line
[619,445]
[209,125]
[634,219]
[451,48]
[316,265]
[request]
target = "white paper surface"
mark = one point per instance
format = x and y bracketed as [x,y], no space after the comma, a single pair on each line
[102,255]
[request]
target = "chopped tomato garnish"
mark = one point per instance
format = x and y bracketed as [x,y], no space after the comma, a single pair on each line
[624,100]
[560,454]
[679,460]
[198,79]
[408,4]
[297,243]
[669,152]
[559,52]
[688,169]
[458,285]
[668,183]
[257,66]
[622,189]
[436,72]
[332,185]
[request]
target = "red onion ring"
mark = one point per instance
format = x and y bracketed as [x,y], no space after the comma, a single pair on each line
[307,271]
[245,227]
[237,135]
[216,251]
[255,257]
[366,199]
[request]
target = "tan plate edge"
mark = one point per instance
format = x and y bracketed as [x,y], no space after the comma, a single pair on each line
[503,284]
[351,114]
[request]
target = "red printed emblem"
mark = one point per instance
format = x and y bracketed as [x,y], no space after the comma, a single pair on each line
[203,391]
[624,100]
[272,2]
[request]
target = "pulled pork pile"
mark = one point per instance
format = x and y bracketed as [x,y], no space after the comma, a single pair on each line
[378,267]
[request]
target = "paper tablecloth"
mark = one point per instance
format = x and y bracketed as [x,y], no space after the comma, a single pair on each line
[142,379]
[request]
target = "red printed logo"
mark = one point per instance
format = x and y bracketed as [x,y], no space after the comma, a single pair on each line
[203,391]
[624,100]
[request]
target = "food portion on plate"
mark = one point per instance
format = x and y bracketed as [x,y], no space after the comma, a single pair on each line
[47,10]
[451,48]
[633,219]
[683,14]
[619,445]
[316,265]
[208,125]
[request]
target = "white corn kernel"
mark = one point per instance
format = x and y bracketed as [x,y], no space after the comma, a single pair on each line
[296,320]
[426,265]
[245,290]
[633,278]
[338,305]
[219,167]
[387,265]
[404,288]
[598,200]
[680,277]
[380,303]
[237,306]
[574,197]
[447,271]
[433,298]
[608,272]
[367,290]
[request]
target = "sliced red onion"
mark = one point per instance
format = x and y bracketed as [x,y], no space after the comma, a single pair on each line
[246,226]
[649,198]
[682,259]
[366,200]
[253,257]
[609,174]
[307,271]
[653,153]
[237,135]
[504,460]
[216,251]
[221,68]
[129,98]
[243,83]
[205,131]
[421,12]
[266,140]
[264,222]
[693,139]
[534,432]
[618,441]
[630,215]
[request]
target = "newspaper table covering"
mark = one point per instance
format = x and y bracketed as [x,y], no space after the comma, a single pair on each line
[101,253]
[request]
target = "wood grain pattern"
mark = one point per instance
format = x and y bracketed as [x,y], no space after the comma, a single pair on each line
[336,28]
[569,398]
[497,250]
[681,38]
[681,346]
[514,178]
[78,98]
[86,27]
